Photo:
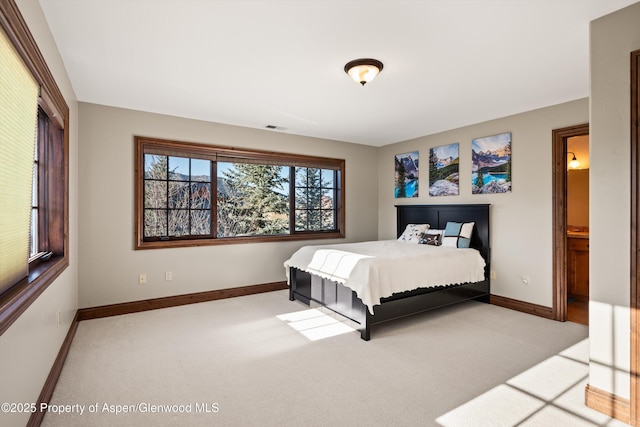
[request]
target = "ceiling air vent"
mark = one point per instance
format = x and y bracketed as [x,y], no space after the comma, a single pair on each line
[274,127]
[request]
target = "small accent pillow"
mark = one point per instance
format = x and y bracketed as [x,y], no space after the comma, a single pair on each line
[413,232]
[432,237]
[458,234]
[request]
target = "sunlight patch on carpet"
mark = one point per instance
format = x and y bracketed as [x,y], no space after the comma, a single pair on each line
[503,403]
[551,378]
[315,324]
[543,395]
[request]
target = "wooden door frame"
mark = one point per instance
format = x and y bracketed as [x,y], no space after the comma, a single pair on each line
[635,238]
[559,177]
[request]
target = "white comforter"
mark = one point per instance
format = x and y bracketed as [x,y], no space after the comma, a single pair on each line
[378,269]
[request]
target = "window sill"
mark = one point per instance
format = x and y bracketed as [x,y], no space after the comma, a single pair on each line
[18,298]
[162,244]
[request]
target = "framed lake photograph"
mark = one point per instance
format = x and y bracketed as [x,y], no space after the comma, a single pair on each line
[406,175]
[444,167]
[491,164]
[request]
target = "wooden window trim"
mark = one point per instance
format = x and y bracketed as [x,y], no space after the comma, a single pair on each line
[17,299]
[213,152]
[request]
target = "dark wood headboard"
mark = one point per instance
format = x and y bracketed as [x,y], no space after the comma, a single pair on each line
[437,217]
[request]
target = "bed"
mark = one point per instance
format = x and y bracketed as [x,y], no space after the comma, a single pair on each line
[307,287]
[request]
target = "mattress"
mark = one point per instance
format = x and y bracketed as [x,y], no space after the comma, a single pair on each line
[379,269]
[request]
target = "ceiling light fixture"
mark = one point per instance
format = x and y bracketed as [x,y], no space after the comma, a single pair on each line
[574,163]
[363,70]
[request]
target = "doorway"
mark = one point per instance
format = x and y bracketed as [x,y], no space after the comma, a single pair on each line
[578,229]
[570,248]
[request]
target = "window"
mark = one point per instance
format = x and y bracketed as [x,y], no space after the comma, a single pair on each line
[42,191]
[34,238]
[252,199]
[177,196]
[195,194]
[48,189]
[315,193]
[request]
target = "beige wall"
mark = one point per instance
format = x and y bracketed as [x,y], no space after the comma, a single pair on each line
[29,347]
[521,221]
[109,266]
[613,37]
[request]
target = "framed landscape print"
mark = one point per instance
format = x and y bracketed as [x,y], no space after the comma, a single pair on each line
[491,164]
[444,166]
[406,175]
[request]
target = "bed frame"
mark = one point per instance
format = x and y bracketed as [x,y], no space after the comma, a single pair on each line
[306,287]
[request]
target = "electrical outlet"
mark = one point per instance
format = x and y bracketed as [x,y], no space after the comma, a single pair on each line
[168,275]
[492,274]
[142,279]
[525,280]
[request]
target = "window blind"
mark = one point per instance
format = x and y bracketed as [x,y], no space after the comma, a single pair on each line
[18,120]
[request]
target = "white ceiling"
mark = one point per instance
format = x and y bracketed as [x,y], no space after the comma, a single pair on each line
[447,63]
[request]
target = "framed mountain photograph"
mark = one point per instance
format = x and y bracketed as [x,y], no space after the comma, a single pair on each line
[444,167]
[491,164]
[406,175]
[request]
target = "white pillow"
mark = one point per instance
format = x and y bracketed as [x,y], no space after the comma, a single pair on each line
[413,232]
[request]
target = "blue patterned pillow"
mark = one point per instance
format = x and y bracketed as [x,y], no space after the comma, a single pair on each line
[458,234]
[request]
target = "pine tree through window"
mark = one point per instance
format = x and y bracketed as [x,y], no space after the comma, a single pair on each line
[253,199]
[315,199]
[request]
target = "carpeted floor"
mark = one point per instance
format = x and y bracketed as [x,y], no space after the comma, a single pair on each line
[262,360]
